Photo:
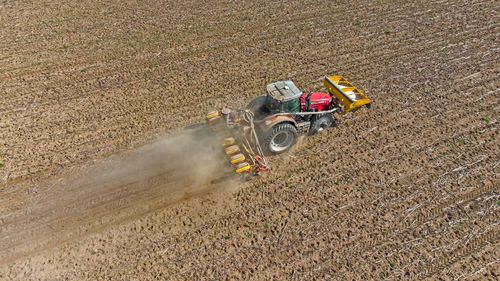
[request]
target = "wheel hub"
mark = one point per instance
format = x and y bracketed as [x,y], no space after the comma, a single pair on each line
[281,141]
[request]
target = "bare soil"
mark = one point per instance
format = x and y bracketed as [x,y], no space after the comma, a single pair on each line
[99,182]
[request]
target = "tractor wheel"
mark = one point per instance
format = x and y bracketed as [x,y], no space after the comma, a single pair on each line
[280,138]
[258,106]
[256,103]
[321,122]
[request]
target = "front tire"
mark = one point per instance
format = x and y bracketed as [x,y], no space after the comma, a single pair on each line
[280,138]
[321,123]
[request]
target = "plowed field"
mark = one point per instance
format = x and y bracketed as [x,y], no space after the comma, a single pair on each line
[99,182]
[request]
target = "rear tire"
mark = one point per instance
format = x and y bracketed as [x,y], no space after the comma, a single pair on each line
[280,138]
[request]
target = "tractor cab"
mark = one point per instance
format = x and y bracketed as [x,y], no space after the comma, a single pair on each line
[283,96]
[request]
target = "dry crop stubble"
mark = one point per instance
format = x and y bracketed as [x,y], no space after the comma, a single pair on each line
[422,160]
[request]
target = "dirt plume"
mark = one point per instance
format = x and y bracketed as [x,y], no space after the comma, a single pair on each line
[114,190]
[189,157]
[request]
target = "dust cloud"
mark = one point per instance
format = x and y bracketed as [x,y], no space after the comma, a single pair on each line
[115,190]
[190,158]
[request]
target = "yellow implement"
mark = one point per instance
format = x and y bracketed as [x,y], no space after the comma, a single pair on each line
[228,141]
[348,95]
[242,167]
[212,114]
[235,159]
[233,149]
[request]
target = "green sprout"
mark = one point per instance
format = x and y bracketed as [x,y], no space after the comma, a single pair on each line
[487,119]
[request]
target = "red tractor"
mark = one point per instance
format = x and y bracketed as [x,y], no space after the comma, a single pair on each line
[271,123]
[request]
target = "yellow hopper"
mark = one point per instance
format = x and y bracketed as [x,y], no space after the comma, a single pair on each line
[348,95]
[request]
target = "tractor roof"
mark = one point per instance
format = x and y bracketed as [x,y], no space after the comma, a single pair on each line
[283,90]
